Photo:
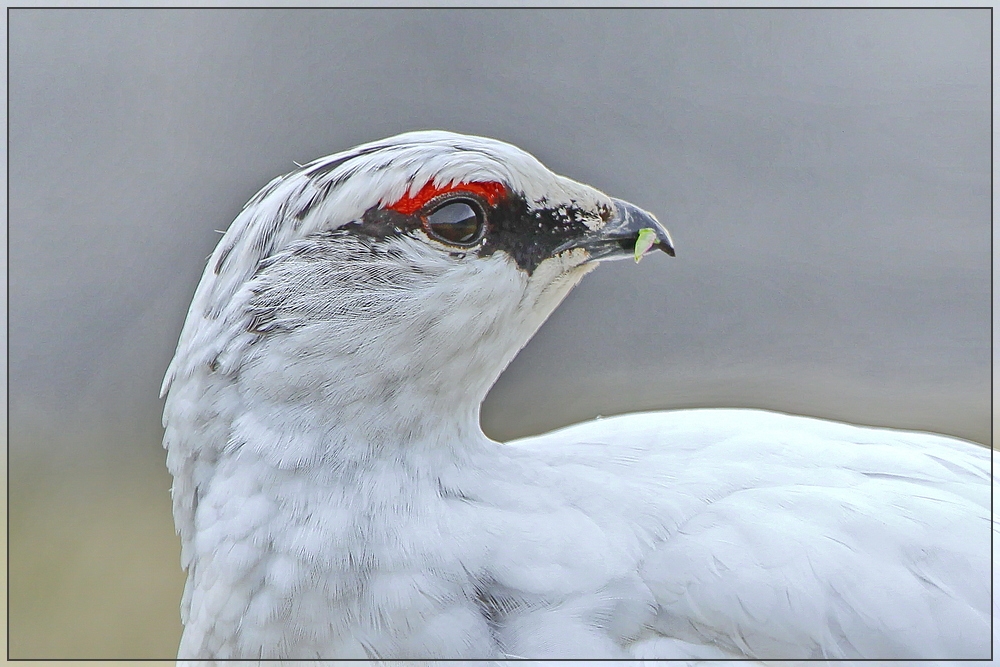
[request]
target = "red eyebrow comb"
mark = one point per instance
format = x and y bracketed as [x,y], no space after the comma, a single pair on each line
[411,203]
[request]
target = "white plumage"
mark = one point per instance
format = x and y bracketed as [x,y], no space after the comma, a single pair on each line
[336,497]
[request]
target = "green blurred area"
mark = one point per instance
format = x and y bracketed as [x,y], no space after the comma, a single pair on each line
[94,561]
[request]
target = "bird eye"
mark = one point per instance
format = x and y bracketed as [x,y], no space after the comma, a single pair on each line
[458,222]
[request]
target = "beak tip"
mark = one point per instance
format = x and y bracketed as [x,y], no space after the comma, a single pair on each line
[634,219]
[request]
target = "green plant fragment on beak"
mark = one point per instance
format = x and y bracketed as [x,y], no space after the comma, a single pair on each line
[643,242]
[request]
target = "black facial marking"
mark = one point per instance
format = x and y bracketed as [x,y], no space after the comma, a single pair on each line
[529,236]
[381,223]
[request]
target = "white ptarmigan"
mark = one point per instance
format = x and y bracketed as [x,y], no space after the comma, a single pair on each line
[336,497]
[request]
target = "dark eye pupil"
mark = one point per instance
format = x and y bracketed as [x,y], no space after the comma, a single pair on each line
[455,222]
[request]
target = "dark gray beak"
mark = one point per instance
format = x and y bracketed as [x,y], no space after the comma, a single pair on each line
[629,220]
[617,238]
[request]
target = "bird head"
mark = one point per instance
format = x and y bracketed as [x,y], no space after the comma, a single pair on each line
[403,274]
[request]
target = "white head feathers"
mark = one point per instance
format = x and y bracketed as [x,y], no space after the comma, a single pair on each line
[330,192]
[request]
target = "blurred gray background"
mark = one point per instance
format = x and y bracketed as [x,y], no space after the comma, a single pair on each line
[825,174]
